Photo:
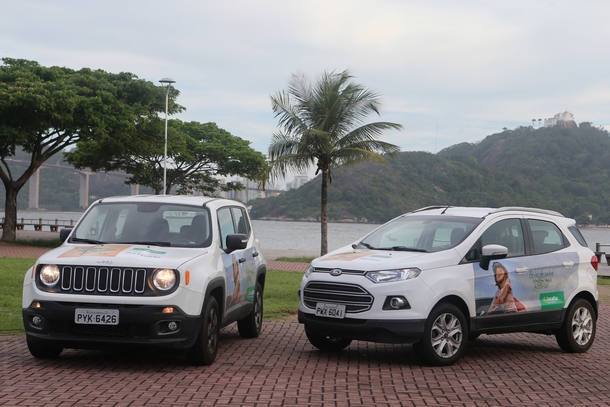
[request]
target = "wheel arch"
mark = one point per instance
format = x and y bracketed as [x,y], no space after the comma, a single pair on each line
[587,296]
[459,303]
[216,288]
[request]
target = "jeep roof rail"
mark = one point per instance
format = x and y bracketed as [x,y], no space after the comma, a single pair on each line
[527,209]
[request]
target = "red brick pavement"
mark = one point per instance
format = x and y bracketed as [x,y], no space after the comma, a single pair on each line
[280,368]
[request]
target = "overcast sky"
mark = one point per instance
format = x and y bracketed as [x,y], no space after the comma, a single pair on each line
[448,71]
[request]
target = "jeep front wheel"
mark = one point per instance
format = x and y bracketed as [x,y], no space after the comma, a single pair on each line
[205,348]
[444,337]
[578,330]
[326,343]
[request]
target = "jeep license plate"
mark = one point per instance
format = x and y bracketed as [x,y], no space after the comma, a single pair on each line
[330,310]
[89,316]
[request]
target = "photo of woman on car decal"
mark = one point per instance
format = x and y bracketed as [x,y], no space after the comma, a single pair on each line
[504,300]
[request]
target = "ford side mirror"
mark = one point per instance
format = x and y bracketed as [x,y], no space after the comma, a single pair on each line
[492,252]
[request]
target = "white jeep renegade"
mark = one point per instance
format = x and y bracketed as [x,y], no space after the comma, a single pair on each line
[147,270]
[439,276]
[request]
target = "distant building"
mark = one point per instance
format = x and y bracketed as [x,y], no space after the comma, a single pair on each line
[297,182]
[565,119]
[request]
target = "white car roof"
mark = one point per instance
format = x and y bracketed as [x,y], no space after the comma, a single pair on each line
[172,199]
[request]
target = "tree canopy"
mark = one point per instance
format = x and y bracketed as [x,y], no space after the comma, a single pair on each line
[197,155]
[323,124]
[45,110]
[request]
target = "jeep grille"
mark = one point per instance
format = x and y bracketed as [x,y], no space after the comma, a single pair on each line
[101,280]
[354,297]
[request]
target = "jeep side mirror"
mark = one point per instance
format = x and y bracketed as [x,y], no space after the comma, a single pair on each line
[64,233]
[492,252]
[237,241]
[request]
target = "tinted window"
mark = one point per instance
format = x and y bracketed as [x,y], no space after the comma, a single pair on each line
[232,220]
[546,236]
[579,237]
[507,233]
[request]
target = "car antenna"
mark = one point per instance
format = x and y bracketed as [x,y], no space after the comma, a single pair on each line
[445,210]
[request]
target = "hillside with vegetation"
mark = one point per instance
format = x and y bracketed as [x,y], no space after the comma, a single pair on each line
[564,169]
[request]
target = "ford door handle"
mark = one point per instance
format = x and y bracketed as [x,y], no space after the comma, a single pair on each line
[568,263]
[521,270]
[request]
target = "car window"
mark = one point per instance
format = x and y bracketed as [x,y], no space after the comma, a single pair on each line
[546,236]
[579,237]
[424,233]
[507,233]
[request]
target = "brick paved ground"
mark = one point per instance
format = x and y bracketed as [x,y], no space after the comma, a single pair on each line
[280,368]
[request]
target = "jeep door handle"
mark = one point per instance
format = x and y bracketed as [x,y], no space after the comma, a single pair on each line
[241,260]
[255,254]
[521,270]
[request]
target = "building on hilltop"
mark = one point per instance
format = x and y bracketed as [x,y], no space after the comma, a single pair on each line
[565,119]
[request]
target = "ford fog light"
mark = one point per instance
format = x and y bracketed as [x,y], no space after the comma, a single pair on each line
[396,302]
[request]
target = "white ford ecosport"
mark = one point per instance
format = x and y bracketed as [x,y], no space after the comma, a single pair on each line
[147,270]
[439,276]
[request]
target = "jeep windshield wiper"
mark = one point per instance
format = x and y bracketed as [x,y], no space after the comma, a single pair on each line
[90,241]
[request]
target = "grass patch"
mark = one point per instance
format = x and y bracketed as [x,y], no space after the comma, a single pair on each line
[52,243]
[296,259]
[280,297]
[12,272]
[603,281]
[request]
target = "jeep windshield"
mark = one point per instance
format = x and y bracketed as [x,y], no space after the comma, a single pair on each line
[420,233]
[145,223]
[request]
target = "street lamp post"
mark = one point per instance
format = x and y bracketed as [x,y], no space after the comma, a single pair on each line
[167,82]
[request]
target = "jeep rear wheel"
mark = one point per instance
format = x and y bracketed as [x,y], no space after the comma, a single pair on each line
[326,343]
[444,337]
[42,349]
[205,348]
[251,325]
[577,333]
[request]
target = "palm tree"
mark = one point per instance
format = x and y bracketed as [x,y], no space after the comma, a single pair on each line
[322,125]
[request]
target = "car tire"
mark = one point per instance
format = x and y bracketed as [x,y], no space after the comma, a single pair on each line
[326,343]
[577,332]
[445,336]
[205,348]
[43,349]
[251,325]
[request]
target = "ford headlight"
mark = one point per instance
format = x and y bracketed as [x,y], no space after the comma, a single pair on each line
[308,271]
[388,276]
[164,279]
[49,274]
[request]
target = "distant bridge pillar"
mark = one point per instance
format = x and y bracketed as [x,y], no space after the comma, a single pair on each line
[34,191]
[83,190]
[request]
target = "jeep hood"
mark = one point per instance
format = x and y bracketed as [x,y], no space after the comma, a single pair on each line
[124,255]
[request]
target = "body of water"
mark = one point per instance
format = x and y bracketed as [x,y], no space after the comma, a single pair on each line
[305,236]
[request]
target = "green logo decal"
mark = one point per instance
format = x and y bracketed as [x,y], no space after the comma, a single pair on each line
[552,300]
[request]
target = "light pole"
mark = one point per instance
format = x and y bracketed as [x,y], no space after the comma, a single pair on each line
[167,82]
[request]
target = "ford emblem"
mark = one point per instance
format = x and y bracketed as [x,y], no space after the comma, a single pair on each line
[335,272]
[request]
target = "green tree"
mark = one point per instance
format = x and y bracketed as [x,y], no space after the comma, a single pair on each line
[322,124]
[196,155]
[44,110]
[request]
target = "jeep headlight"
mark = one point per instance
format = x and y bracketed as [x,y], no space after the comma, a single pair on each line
[49,275]
[388,276]
[164,279]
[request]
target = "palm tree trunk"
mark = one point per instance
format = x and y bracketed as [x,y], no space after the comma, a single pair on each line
[324,215]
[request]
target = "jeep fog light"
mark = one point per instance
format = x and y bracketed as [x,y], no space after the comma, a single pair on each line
[164,279]
[49,275]
[387,276]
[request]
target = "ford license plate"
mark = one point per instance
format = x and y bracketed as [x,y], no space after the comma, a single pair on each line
[89,316]
[330,310]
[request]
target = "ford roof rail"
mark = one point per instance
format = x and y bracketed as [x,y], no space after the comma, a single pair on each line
[527,209]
